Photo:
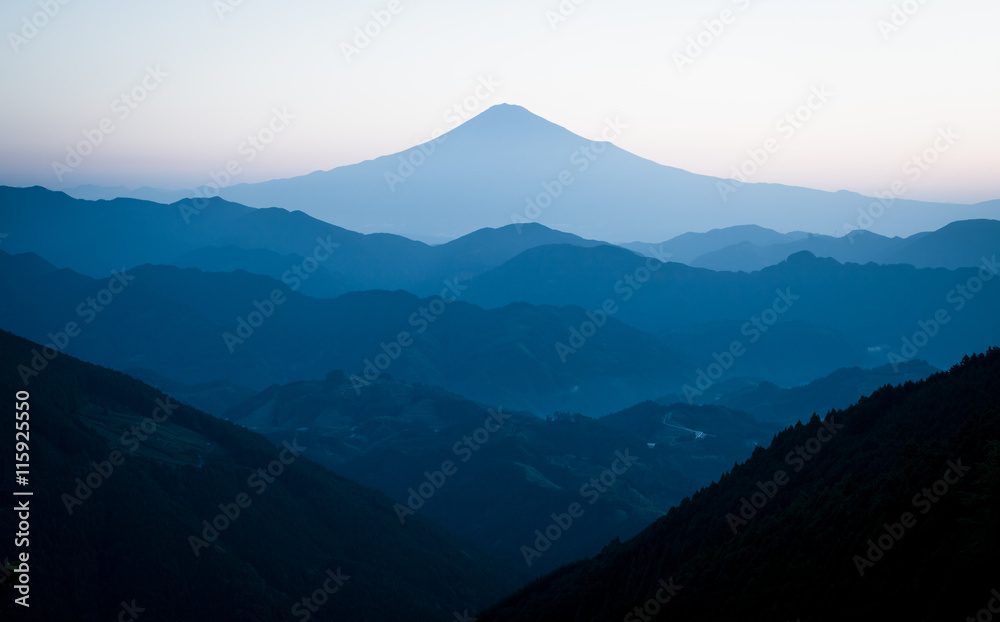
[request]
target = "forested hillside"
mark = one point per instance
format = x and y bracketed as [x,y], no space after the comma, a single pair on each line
[887,510]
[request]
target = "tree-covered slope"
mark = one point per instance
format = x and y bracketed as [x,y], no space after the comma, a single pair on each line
[893,516]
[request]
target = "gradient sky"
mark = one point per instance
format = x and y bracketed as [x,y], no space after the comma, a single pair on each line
[891,94]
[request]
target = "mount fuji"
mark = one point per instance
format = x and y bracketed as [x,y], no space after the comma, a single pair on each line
[508,165]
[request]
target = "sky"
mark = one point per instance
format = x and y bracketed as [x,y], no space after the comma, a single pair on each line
[700,85]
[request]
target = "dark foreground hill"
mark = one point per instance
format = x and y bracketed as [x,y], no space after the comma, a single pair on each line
[123,478]
[887,510]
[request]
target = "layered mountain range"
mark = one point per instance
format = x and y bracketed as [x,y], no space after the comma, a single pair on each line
[727,424]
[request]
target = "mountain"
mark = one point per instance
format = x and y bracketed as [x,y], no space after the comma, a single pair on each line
[473,254]
[960,244]
[507,165]
[839,390]
[886,510]
[141,500]
[250,330]
[861,312]
[91,192]
[687,247]
[96,237]
[855,247]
